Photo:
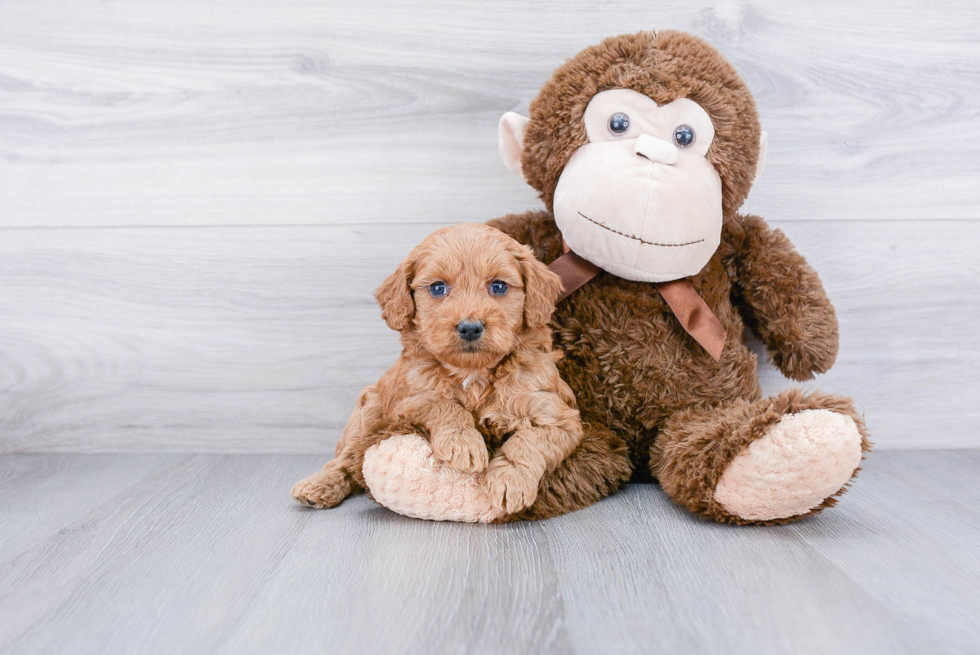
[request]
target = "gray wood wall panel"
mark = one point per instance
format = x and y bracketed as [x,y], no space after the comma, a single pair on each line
[259,338]
[310,112]
[197,199]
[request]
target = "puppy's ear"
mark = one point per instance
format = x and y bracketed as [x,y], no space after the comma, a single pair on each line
[541,288]
[395,296]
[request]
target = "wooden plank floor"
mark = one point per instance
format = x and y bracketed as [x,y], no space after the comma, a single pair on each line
[208,554]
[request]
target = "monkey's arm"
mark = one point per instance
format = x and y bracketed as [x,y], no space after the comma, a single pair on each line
[782,299]
[536,229]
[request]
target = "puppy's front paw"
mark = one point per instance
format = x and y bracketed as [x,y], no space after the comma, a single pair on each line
[323,489]
[463,449]
[511,487]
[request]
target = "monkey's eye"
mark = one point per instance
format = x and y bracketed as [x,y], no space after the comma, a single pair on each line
[619,124]
[684,136]
[438,289]
[498,287]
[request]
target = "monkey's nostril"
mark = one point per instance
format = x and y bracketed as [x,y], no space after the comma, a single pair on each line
[656,150]
[470,330]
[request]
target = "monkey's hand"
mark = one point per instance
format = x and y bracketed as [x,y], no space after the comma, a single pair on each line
[782,299]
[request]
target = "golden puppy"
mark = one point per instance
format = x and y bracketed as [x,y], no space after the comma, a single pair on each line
[477,370]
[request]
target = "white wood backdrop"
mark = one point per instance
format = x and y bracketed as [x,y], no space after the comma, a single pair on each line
[197,198]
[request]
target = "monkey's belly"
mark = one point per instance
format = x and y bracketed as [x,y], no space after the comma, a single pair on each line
[631,370]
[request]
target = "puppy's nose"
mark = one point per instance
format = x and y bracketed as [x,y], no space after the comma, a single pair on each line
[470,330]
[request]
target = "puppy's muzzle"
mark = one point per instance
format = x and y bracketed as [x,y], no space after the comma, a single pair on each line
[469,330]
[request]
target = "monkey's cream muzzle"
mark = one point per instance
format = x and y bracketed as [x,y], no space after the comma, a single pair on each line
[635,203]
[657,216]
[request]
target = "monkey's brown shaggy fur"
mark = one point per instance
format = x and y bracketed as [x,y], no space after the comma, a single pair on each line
[664,66]
[632,366]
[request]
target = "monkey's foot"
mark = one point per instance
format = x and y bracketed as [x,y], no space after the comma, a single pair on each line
[403,475]
[795,467]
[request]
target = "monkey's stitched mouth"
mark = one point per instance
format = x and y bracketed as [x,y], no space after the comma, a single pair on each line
[630,236]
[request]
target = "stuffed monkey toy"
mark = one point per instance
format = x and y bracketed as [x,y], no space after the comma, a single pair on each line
[643,148]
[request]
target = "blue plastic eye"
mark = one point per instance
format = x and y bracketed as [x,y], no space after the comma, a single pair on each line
[438,289]
[684,136]
[619,124]
[498,287]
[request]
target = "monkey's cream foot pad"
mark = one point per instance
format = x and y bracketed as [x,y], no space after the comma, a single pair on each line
[403,475]
[802,460]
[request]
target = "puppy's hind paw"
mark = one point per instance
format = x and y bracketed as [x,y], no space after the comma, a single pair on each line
[511,487]
[324,489]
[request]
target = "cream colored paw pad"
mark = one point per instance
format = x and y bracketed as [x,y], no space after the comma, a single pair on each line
[799,463]
[403,475]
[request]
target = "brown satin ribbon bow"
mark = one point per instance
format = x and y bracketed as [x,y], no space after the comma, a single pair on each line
[690,309]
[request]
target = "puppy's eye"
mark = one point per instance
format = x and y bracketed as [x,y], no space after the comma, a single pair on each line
[619,123]
[498,287]
[438,289]
[684,136]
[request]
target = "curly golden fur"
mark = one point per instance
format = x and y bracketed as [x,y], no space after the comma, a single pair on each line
[495,404]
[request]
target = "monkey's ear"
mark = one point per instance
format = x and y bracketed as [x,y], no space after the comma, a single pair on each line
[763,146]
[395,297]
[510,140]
